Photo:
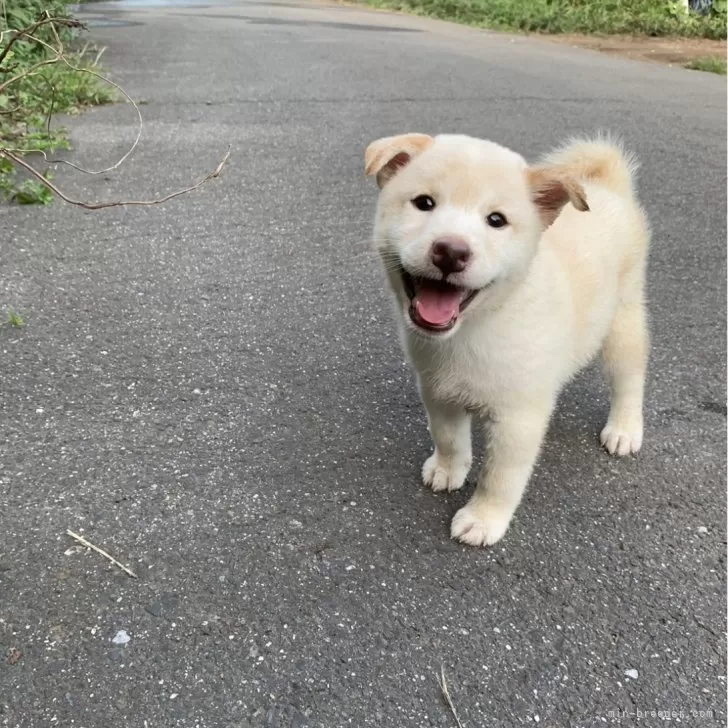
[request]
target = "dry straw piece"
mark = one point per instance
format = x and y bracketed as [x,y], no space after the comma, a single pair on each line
[85,542]
[446,694]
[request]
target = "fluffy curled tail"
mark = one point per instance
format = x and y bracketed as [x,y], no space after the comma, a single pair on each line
[602,160]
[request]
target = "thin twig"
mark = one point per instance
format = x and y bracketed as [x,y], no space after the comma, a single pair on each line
[54,30]
[50,109]
[29,72]
[446,694]
[117,203]
[82,540]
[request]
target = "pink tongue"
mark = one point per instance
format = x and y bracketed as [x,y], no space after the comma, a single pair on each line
[437,306]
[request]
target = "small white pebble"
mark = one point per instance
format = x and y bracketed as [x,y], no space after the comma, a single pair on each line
[702,529]
[121,637]
[496,630]
[350,567]
[173,696]
[633,674]
[537,718]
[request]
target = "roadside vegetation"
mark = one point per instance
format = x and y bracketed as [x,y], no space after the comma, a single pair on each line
[14,319]
[711,64]
[44,70]
[608,17]
[42,73]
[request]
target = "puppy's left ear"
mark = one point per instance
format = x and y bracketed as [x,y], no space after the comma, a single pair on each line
[551,190]
[385,157]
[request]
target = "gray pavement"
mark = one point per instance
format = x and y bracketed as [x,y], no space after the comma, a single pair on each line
[213,392]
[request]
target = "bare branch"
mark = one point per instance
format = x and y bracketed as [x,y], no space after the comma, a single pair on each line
[117,203]
[54,30]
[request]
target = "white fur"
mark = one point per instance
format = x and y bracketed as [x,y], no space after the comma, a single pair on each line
[560,292]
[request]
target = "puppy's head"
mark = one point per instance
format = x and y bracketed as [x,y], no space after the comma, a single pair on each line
[457,219]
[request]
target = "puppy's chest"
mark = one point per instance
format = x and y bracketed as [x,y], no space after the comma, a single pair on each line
[472,376]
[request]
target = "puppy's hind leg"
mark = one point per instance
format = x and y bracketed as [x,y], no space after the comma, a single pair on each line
[625,359]
[448,466]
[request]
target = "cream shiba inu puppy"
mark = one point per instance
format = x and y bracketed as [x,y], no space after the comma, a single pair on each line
[508,279]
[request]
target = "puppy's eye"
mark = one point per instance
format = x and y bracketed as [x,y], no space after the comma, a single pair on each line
[496,220]
[424,203]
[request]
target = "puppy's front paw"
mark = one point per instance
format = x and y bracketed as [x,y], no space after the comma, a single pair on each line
[622,437]
[480,524]
[444,473]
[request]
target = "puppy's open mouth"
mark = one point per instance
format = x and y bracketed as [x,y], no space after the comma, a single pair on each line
[435,305]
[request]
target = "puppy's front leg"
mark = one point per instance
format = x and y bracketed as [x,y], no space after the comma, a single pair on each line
[515,436]
[448,466]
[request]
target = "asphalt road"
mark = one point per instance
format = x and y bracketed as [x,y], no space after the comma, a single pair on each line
[212,391]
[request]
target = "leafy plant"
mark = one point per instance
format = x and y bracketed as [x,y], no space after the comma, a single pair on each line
[31,192]
[36,83]
[14,319]
[711,64]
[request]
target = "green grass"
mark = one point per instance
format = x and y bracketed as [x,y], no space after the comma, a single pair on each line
[27,106]
[607,17]
[14,319]
[711,64]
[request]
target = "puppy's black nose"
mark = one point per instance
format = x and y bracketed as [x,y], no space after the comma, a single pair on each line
[450,255]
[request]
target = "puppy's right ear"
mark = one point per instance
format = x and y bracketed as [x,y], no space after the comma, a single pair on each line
[551,190]
[385,157]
